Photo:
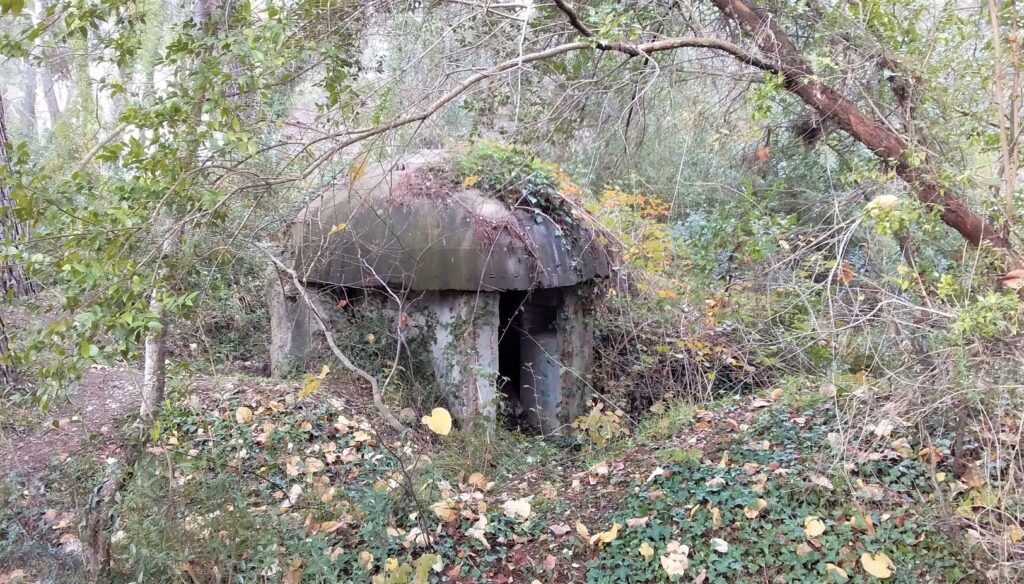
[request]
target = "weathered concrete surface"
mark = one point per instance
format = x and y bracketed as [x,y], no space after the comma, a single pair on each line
[293,328]
[556,354]
[395,227]
[464,352]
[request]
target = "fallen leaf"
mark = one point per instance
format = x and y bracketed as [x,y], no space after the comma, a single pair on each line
[776,394]
[716,517]
[884,428]
[752,513]
[646,550]
[822,481]
[902,447]
[878,565]
[719,545]
[813,526]
[518,508]
[676,560]
[477,531]
[657,472]
[605,537]
[637,522]
[930,454]
[582,530]
[439,421]
[559,529]
[366,560]
[803,549]
[477,480]
[313,465]
[836,573]
[869,491]
[445,510]
[550,562]
[243,415]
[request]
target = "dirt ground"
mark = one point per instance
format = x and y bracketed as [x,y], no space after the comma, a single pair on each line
[87,422]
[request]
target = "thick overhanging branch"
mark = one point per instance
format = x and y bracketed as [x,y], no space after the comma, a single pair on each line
[798,77]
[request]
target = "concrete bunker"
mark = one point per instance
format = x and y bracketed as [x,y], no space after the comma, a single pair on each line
[496,285]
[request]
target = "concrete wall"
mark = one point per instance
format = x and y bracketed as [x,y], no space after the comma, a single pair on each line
[556,351]
[464,352]
[461,329]
[293,330]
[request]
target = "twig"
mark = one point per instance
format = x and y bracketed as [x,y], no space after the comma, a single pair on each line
[99,146]
[378,400]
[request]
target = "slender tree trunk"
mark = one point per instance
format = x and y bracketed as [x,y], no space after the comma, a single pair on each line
[154,373]
[50,94]
[13,281]
[30,99]
[46,77]
[12,277]
[798,77]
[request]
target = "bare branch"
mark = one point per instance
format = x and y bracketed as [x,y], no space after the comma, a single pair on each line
[378,400]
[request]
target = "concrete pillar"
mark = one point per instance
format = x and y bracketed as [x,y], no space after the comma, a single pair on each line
[556,356]
[464,352]
[292,327]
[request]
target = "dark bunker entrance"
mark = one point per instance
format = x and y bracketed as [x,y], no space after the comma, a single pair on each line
[527,350]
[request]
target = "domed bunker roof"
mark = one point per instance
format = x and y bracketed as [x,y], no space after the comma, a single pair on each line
[409,224]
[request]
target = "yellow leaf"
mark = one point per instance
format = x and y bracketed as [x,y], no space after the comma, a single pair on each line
[878,565]
[358,167]
[813,526]
[1014,534]
[439,421]
[313,464]
[243,415]
[477,480]
[445,510]
[752,513]
[470,180]
[390,564]
[716,517]
[646,550]
[366,560]
[776,394]
[606,537]
[836,573]
[312,382]
[582,530]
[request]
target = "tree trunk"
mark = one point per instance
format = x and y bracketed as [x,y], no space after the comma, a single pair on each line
[154,374]
[889,147]
[30,99]
[50,94]
[13,281]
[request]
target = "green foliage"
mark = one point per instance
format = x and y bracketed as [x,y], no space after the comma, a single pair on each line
[700,497]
